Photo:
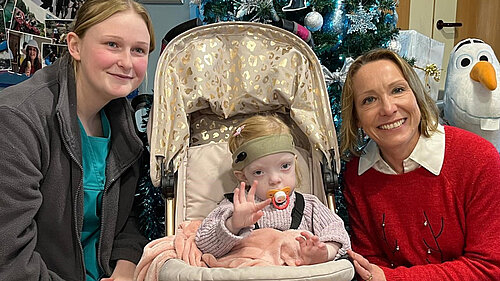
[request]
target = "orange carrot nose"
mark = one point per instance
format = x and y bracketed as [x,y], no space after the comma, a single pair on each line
[484,73]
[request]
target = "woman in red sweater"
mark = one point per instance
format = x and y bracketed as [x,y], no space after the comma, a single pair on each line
[422,198]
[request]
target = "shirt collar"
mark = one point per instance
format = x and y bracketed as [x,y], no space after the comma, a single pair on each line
[428,153]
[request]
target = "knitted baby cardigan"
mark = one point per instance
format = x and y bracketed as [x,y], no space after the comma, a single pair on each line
[418,226]
[213,236]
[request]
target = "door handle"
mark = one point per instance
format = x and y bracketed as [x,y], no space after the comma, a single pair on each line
[440,24]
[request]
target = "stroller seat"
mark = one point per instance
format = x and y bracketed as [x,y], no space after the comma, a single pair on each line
[207,81]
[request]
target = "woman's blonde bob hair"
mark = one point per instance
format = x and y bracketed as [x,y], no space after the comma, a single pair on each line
[350,139]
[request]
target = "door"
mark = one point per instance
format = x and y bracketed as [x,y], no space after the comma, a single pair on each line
[480,19]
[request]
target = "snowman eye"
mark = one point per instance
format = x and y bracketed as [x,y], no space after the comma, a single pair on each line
[463,61]
[484,56]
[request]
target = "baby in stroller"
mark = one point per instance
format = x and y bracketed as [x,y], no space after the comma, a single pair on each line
[264,156]
[205,87]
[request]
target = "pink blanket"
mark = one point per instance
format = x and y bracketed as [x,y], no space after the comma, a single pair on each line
[263,247]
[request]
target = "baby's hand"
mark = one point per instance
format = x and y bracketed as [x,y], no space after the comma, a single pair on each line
[312,251]
[246,212]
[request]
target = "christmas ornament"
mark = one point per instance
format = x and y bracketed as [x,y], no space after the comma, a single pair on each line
[337,76]
[334,20]
[294,5]
[393,45]
[341,58]
[389,19]
[395,17]
[328,26]
[296,29]
[361,21]
[391,16]
[431,70]
[394,12]
[313,21]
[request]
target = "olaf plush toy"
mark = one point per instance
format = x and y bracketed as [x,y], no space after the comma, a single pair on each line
[471,96]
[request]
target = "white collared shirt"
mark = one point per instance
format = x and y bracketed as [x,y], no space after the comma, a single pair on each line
[428,153]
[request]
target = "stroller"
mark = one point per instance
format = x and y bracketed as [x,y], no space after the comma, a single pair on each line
[207,81]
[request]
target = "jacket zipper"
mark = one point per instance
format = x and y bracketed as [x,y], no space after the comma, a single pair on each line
[106,187]
[75,203]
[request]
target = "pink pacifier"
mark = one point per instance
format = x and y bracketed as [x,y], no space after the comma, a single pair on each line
[280,197]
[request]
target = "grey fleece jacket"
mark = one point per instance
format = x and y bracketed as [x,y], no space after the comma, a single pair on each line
[41,202]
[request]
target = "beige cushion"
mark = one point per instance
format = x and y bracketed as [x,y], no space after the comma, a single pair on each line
[177,270]
[206,175]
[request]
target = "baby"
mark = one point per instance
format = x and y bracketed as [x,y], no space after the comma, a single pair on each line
[264,157]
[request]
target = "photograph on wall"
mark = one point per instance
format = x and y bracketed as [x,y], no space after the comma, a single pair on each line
[57,29]
[51,52]
[26,52]
[5,54]
[28,18]
[8,11]
[62,9]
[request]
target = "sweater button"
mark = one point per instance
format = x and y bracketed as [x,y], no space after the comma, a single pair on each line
[429,251]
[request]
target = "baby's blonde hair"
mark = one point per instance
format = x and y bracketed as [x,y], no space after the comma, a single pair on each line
[255,127]
[260,126]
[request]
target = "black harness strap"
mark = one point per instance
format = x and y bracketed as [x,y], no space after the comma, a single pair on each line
[297,211]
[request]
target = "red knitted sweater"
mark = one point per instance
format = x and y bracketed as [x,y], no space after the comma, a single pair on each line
[418,226]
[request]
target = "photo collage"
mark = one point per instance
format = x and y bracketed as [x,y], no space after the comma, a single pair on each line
[33,33]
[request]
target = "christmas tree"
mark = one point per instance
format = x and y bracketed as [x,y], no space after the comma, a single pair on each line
[337,30]
[148,201]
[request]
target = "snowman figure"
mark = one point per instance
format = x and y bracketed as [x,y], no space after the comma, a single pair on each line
[471,96]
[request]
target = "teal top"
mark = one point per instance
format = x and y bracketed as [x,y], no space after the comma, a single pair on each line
[94,153]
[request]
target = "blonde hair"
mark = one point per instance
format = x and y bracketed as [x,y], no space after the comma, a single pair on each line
[260,126]
[255,127]
[93,12]
[349,130]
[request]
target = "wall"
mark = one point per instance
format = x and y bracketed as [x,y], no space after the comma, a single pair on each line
[164,17]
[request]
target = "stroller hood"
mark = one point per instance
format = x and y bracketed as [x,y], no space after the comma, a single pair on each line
[233,68]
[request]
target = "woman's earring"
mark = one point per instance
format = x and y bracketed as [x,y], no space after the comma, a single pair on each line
[362,139]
